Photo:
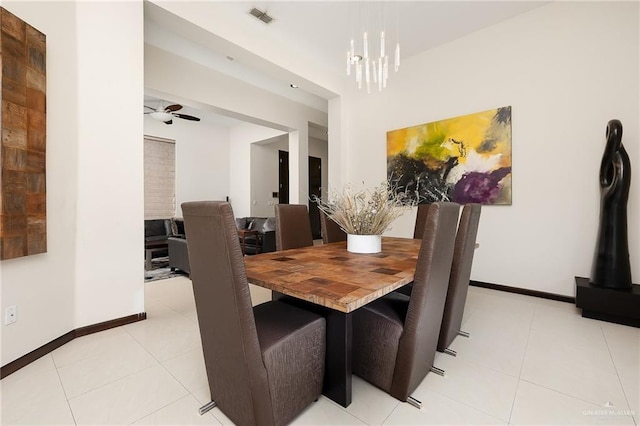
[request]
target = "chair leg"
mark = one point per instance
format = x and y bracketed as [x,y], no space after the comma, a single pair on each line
[416,403]
[437,370]
[450,352]
[206,407]
[463,333]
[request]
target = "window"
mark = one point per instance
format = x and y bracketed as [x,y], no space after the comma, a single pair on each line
[159,178]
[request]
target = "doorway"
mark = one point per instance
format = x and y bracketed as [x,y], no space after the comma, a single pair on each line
[314,189]
[283,177]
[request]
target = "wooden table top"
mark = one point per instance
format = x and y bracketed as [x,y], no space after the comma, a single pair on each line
[330,276]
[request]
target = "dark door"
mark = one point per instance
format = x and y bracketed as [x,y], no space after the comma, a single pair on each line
[315,190]
[283,177]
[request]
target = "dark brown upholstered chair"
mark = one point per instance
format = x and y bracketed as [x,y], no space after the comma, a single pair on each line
[331,232]
[264,364]
[395,337]
[293,226]
[421,218]
[459,279]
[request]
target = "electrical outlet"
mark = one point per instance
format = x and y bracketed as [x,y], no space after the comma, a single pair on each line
[11,315]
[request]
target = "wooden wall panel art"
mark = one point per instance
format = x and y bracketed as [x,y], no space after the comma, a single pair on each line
[23,213]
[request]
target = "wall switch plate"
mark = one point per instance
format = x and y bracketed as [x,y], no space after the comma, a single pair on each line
[11,315]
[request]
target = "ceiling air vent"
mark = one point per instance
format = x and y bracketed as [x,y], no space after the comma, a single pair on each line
[261,15]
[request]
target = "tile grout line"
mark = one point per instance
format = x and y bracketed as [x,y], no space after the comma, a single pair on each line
[392,411]
[569,395]
[64,391]
[562,393]
[160,363]
[164,406]
[467,405]
[174,357]
[342,408]
[111,381]
[524,357]
[626,398]
[117,379]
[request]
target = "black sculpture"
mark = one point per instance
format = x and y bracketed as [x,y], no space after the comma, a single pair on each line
[611,267]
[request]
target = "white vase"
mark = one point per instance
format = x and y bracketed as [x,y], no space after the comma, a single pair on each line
[364,243]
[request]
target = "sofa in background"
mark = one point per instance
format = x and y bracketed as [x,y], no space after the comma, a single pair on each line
[177,242]
[157,236]
[157,229]
[266,227]
[156,233]
[179,254]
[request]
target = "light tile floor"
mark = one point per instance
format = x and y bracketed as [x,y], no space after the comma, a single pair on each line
[528,362]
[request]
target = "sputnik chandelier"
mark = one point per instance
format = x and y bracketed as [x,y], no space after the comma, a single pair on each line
[368,61]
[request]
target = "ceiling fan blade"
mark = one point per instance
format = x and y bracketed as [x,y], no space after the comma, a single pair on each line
[186,117]
[153,109]
[174,107]
[168,122]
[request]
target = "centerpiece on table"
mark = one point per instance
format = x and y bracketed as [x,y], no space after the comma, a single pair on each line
[365,214]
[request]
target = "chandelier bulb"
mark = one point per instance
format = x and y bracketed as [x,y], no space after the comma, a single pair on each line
[365,45]
[374,71]
[378,63]
[367,74]
[348,64]
[385,70]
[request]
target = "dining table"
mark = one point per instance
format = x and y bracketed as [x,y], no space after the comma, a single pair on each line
[335,282]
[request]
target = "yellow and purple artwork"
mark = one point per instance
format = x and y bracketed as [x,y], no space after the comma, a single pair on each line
[464,159]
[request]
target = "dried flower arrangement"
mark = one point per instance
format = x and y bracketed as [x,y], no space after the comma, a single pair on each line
[363,211]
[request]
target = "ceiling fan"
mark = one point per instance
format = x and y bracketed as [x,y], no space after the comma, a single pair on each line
[166,114]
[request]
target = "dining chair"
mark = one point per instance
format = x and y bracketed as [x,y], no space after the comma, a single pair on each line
[418,232]
[331,232]
[293,226]
[395,337]
[464,249]
[264,364]
[421,217]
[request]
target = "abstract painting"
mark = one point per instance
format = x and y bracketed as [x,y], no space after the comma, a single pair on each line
[465,159]
[23,211]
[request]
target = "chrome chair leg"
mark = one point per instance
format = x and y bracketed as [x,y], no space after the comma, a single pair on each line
[206,407]
[450,352]
[463,333]
[416,403]
[437,370]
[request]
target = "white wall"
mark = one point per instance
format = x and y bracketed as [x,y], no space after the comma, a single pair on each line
[274,114]
[94,216]
[264,171]
[202,158]
[264,174]
[241,140]
[566,68]
[273,53]
[111,171]
[42,285]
